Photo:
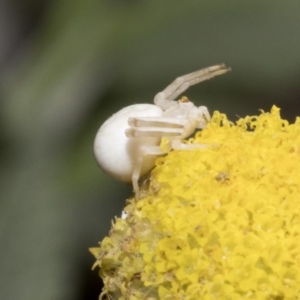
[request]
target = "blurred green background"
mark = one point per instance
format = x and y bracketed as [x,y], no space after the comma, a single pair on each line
[66,66]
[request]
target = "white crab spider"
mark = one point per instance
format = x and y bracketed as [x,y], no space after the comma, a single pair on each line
[128,143]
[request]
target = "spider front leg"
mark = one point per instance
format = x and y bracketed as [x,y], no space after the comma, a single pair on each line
[178,86]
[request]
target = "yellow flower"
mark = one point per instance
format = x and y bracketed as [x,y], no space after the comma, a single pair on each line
[217,223]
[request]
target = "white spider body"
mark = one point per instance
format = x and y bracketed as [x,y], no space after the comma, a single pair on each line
[127,144]
[111,138]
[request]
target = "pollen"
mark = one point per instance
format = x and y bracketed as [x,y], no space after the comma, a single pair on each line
[184,99]
[222,222]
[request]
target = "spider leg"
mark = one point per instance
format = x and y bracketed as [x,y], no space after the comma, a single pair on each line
[156,122]
[152,150]
[206,117]
[182,83]
[155,127]
[178,145]
[153,132]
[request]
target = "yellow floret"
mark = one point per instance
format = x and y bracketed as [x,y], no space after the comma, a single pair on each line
[217,223]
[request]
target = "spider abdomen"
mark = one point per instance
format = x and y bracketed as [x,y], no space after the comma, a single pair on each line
[117,154]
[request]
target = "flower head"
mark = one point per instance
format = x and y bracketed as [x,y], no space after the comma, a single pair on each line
[215,223]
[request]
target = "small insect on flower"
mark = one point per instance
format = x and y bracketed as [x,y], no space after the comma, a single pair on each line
[128,143]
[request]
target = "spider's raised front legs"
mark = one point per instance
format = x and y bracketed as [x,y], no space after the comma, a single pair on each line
[182,83]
